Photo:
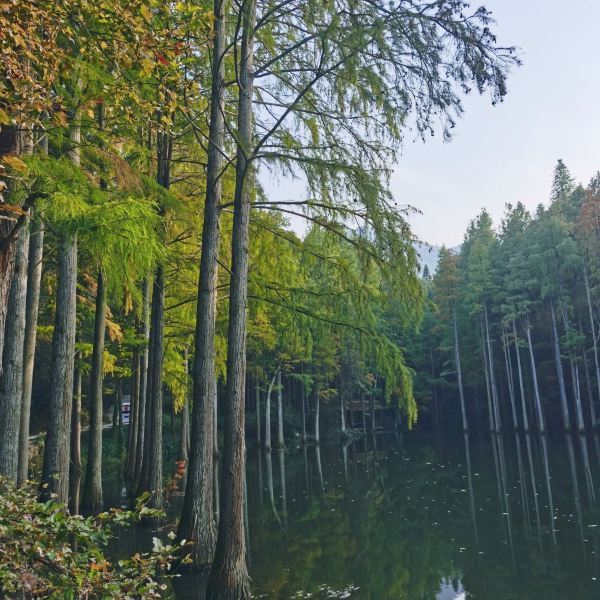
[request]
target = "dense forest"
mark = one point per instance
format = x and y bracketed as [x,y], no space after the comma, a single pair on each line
[142,256]
[512,326]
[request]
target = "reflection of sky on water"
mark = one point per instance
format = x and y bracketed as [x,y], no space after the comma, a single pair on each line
[451,591]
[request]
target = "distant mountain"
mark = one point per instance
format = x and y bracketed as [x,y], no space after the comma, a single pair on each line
[429,254]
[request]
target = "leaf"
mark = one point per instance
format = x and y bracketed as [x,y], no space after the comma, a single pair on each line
[16,163]
[4,118]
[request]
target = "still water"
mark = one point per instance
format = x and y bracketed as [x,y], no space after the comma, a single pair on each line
[418,516]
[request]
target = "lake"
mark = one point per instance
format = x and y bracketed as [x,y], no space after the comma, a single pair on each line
[419,516]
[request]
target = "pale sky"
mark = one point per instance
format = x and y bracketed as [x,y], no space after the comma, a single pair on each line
[506,153]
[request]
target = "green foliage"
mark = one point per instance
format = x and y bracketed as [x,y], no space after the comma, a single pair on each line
[47,553]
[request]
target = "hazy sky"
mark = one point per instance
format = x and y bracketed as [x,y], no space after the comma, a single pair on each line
[506,153]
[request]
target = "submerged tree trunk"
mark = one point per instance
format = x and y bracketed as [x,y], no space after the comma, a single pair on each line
[229,574]
[461,391]
[34,277]
[75,467]
[534,378]
[280,437]
[141,427]
[559,371]
[594,340]
[55,470]
[11,377]
[92,488]
[521,383]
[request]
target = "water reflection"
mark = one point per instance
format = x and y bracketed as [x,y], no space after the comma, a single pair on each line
[510,516]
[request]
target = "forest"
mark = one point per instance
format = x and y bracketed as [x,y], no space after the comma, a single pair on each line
[162,313]
[511,325]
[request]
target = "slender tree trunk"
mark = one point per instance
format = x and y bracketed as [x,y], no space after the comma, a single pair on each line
[75,467]
[559,371]
[268,411]
[487,381]
[11,378]
[140,441]
[509,376]
[36,250]
[92,488]
[594,340]
[521,383]
[534,378]
[317,415]
[229,574]
[184,440]
[497,417]
[303,414]
[151,479]
[364,411]
[280,437]
[574,375]
[258,431]
[588,381]
[342,415]
[133,415]
[55,470]
[461,391]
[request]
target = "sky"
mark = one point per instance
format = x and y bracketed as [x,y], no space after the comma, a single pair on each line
[506,153]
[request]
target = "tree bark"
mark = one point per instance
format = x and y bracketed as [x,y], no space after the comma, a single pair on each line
[55,470]
[229,574]
[534,378]
[268,411]
[75,466]
[92,489]
[280,437]
[141,427]
[521,383]
[559,371]
[258,416]
[34,277]
[594,340]
[461,391]
[11,378]
[495,400]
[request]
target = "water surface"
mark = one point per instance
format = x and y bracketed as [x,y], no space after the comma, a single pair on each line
[416,516]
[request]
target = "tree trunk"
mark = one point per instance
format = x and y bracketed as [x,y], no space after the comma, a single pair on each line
[268,411]
[198,524]
[34,277]
[141,427]
[303,414]
[574,375]
[184,440]
[258,431]
[495,400]
[342,415]
[92,489]
[487,381]
[509,376]
[151,479]
[55,470]
[133,415]
[536,389]
[75,467]
[521,384]
[11,378]
[229,574]
[559,371]
[461,392]
[317,415]
[280,438]
[594,340]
